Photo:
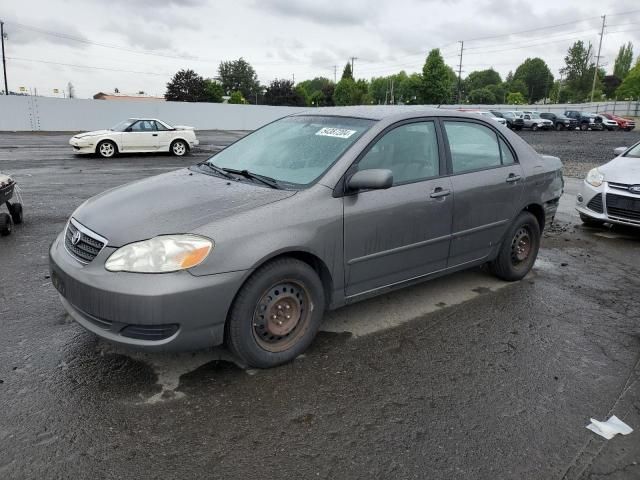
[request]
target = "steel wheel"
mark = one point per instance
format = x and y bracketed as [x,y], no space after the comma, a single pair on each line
[521,246]
[281,316]
[178,148]
[107,149]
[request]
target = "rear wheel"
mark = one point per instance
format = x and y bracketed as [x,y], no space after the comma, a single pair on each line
[519,249]
[584,127]
[560,126]
[106,149]
[179,148]
[276,313]
[590,222]
[6,224]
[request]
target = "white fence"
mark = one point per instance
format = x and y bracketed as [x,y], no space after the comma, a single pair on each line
[29,113]
[25,113]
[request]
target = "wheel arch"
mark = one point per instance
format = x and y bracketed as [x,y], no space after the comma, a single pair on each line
[174,140]
[107,139]
[538,211]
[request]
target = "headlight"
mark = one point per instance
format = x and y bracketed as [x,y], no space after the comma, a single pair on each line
[595,178]
[166,253]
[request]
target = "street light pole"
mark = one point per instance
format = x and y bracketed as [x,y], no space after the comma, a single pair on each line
[4,62]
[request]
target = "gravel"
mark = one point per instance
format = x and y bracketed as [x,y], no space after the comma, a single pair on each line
[580,151]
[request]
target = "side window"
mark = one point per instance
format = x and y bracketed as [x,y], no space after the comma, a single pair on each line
[410,151]
[507,156]
[160,127]
[473,146]
[143,126]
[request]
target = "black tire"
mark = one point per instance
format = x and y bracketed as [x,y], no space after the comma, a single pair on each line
[15,210]
[255,331]
[534,128]
[107,149]
[179,148]
[519,249]
[628,129]
[560,126]
[6,224]
[584,127]
[590,222]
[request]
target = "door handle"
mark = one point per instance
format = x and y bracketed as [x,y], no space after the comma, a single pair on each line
[154,135]
[513,178]
[439,192]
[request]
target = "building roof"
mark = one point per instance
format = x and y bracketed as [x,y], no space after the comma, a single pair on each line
[125,96]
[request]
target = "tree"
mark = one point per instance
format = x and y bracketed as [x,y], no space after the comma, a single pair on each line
[630,87]
[347,72]
[537,77]
[282,92]
[610,83]
[213,90]
[317,91]
[186,86]
[436,81]
[623,61]
[482,96]
[71,90]
[237,98]
[239,75]
[345,93]
[515,98]
[578,71]
[481,79]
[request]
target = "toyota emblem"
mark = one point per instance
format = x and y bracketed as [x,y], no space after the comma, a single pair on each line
[76,238]
[634,189]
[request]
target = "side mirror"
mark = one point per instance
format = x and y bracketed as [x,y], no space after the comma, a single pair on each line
[128,129]
[372,179]
[619,151]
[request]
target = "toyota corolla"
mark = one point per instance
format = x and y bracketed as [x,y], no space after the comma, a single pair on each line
[309,213]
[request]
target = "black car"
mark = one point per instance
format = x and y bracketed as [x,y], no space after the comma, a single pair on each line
[586,121]
[513,121]
[560,121]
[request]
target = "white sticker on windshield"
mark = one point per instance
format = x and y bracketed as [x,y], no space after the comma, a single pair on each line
[335,132]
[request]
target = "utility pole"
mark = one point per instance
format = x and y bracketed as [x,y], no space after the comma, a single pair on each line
[460,72]
[352,60]
[335,73]
[595,73]
[4,62]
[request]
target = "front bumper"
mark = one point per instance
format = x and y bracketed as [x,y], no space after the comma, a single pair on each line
[112,304]
[82,147]
[598,203]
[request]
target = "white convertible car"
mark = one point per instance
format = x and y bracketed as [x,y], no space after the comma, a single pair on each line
[136,135]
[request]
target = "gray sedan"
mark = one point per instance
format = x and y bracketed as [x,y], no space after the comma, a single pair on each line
[309,213]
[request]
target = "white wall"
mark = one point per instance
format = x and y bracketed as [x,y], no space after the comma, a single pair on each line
[19,113]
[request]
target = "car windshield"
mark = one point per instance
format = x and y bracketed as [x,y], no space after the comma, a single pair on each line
[122,126]
[294,150]
[634,152]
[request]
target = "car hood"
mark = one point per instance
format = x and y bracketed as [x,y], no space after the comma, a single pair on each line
[622,170]
[92,134]
[174,202]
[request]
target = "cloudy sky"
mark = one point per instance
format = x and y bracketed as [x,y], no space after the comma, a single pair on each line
[138,44]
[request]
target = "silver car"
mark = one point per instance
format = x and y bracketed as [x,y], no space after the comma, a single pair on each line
[309,213]
[534,121]
[611,192]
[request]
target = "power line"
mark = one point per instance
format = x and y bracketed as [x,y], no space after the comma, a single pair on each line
[528,41]
[34,60]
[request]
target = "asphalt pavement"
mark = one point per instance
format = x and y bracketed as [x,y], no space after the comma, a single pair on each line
[463,377]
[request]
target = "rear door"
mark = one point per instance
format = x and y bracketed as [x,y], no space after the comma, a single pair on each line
[141,136]
[403,232]
[487,187]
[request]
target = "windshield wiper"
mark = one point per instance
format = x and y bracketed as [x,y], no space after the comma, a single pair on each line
[218,170]
[271,182]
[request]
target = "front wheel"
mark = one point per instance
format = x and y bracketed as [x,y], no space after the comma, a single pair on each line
[560,126]
[15,210]
[179,148]
[276,314]
[584,127]
[519,249]
[6,224]
[106,149]
[534,127]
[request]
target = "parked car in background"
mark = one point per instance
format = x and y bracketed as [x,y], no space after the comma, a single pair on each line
[136,135]
[586,121]
[607,123]
[534,121]
[514,122]
[493,117]
[251,246]
[625,124]
[611,192]
[560,121]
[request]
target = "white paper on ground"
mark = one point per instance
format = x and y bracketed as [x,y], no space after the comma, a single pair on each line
[610,428]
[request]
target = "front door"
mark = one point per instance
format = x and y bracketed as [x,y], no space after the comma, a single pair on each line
[141,136]
[487,186]
[403,232]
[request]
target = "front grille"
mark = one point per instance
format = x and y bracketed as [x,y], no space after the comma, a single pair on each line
[623,186]
[149,332]
[595,204]
[627,208]
[89,245]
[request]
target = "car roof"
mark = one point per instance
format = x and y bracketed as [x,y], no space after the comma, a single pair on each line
[383,112]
